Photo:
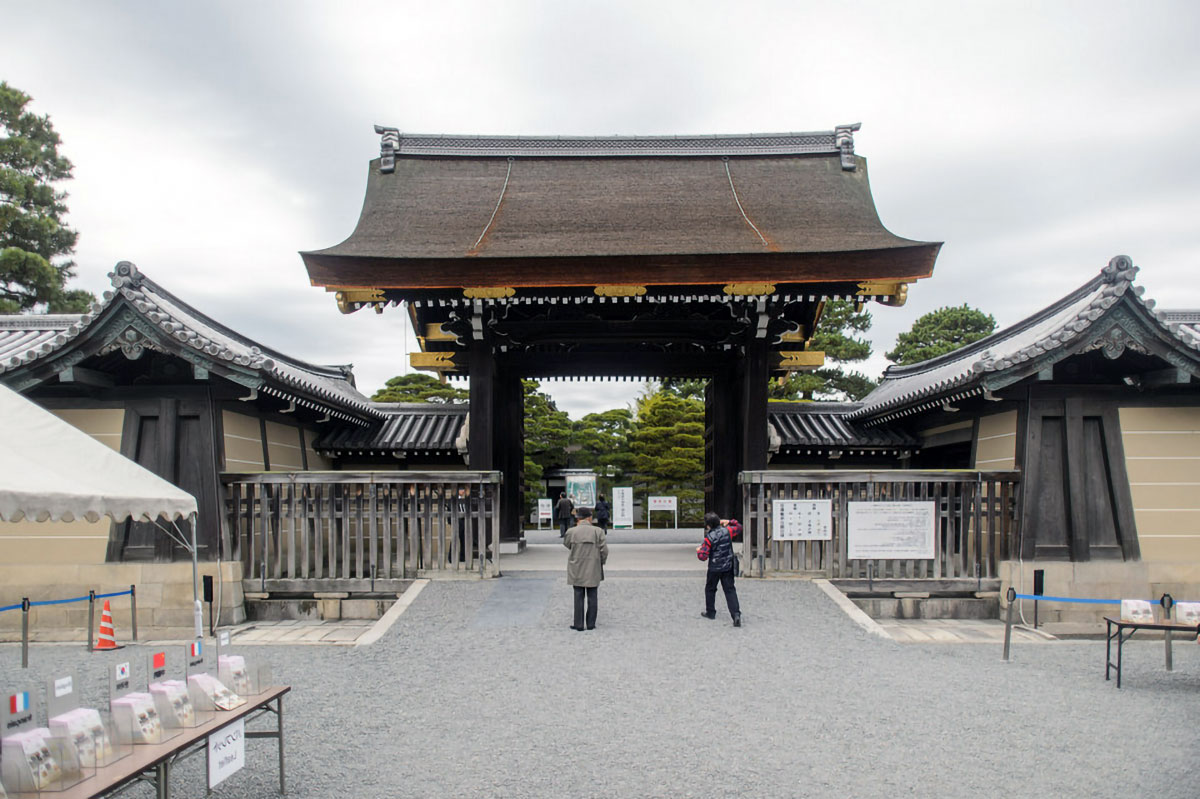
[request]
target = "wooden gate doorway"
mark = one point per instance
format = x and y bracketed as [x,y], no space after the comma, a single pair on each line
[625,257]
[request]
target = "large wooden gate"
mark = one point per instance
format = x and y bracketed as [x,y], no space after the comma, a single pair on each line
[975,512]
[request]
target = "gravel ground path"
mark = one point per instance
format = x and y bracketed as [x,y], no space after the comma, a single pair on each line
[480,690]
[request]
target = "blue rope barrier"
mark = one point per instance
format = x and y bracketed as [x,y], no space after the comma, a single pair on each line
[10,607]
[58,601]
[1037,598]
[114,593]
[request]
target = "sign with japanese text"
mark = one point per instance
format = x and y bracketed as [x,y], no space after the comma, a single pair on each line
[890,530]
[622,509]
[802,520]
[545,510]
[226,752]
[662,503]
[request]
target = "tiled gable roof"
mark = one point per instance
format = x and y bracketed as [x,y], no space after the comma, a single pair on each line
[406,427]
[1061,328]
[825,426]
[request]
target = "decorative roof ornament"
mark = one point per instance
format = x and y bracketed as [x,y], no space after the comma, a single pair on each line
[844,136]
[388,145]
[125,273]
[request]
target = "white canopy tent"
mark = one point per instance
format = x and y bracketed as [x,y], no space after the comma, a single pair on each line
[52,471]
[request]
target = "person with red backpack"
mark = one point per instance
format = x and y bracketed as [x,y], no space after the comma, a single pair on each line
[717,549]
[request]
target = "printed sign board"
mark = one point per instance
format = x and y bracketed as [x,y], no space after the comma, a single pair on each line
[891,530]
[802,520]
[662,503]
[226,752]
[581,490]
[622,509]
[545,510]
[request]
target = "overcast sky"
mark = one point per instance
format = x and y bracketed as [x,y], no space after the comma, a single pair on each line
[213,141]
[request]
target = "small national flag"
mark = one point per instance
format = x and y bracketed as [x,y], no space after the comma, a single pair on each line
[160,660]
[195,649]
[18,703]
[122,671]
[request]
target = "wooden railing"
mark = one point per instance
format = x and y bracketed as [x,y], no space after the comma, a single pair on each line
[975,522]
[360,531]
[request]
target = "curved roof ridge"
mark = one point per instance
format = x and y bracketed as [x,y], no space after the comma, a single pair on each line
[126,275]
[70,326]
[1061,322]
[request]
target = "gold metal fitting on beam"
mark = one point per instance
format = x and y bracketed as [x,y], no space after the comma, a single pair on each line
[433,361]
[434,332]
[749,289]
[798,361]
[350,300]
[895,291]
[488,292]
[620,291]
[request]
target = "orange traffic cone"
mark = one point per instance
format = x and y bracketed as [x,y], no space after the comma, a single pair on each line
[106,639]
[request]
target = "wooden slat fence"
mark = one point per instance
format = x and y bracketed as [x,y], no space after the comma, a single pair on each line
[356,531]
[977,525]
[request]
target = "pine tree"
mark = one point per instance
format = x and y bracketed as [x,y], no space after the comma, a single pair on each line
[668,450]
[420,388]
[941,331]
[32,232]
[839,336]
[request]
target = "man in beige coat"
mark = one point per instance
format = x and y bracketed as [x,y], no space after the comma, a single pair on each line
[585,565]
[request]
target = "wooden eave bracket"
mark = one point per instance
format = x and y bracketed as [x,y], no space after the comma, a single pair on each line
[440,362]
[894,292]
[798,361]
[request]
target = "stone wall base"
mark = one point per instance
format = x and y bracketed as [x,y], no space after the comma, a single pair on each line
[164,598]
[1103,579]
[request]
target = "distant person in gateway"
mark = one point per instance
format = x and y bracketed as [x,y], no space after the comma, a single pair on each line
[562,512]
[585,566]
[602,513]
[717,549]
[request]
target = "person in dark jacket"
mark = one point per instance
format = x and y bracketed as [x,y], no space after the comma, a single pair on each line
[563,510]
[601,510]
[717,549]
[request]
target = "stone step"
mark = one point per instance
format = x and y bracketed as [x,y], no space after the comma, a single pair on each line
[933,607]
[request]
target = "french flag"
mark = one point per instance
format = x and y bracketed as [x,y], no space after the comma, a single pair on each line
[18,703]
[195,649]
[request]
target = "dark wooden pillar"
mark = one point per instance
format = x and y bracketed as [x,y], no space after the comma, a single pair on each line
[481,365]
[723,448]
[754,375]
[509,450]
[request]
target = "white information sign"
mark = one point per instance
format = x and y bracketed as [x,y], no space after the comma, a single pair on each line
[662,503]
[622,510]
[226,752]
[802,520]
[545,510]
[891,530]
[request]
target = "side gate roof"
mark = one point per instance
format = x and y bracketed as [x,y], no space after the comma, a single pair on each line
[1107,314]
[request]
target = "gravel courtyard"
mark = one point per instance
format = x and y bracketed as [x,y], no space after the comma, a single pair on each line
[480,689]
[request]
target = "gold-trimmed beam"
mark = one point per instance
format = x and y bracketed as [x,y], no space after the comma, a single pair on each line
[350,300]
[749,289]
[799,360]
[895,292]
[620,291]
[434,332]
[488,292]
[434,361]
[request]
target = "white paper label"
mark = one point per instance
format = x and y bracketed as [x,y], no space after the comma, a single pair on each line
[226,752]
[62,687]
[223,638]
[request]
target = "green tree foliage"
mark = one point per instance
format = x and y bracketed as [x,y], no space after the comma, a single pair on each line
[839,336]
[603,446]
[547,435]
[686,388]
[667,443]
[32,232]
[418,387]
[941,331]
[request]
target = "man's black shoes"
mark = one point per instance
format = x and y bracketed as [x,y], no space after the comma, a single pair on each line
[737,620]
[708,615]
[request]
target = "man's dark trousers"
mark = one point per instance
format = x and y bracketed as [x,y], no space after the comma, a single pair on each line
[710,593]
[591,607]
[563,524]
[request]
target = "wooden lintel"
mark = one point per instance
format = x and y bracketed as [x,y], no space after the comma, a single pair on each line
[620,291]
[86,377]
[1166,377]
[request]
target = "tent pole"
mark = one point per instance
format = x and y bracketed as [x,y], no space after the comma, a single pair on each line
[198,615]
